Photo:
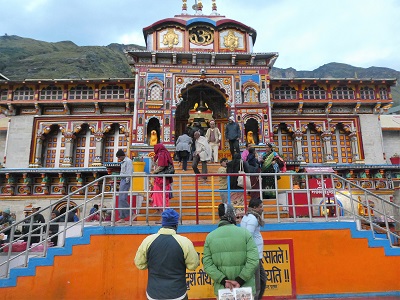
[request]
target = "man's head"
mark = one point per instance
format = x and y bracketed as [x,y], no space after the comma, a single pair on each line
[227,212]
[35,208]
[170,218]
[212,123]
[223,161]
[196,135]
[256,204]
[231,119]
[120,154]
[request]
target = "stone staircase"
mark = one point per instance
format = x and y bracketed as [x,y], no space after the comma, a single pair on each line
[206,192]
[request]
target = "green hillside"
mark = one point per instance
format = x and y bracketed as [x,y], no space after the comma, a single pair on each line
[22,58]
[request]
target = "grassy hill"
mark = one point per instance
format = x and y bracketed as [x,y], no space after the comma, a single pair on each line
[22,58]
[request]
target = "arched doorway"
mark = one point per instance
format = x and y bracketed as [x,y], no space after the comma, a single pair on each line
[252,131]
[201,102]
[153,131]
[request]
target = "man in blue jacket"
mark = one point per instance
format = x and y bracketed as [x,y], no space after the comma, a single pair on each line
[230,254]
[167,255]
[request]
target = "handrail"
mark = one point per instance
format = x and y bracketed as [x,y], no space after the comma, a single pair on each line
[349,200]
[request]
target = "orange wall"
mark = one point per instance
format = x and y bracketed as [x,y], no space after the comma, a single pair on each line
[325,262]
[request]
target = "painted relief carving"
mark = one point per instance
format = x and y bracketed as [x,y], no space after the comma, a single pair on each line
[201,36]
[170,39]
[231,41]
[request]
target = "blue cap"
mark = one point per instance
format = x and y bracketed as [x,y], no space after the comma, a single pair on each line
[169,217]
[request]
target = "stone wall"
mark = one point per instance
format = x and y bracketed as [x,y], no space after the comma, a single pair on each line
[19,142]
[372,139]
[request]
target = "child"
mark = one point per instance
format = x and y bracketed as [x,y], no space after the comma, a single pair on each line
[223,181]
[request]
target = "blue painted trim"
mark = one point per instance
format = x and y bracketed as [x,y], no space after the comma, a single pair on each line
[205,20]
[30,270]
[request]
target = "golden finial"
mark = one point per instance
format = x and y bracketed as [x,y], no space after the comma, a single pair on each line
[184,7]
[200,6]
[214,5]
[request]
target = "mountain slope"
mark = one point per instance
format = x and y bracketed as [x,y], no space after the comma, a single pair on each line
[22,58]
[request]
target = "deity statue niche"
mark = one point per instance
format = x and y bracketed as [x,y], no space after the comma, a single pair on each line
[251,129]
[153,131]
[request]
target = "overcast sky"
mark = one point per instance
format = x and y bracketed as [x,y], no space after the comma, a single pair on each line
[306,33]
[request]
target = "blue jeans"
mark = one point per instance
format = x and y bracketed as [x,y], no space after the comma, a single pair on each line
[124,188]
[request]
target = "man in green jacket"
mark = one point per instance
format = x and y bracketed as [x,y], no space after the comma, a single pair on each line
[230,253]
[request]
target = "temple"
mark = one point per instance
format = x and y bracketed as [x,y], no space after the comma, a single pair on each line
[58,134]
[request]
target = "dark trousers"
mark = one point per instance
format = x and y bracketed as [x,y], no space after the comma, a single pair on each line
[196,160]
[234,146]
[261,281]
[183,157]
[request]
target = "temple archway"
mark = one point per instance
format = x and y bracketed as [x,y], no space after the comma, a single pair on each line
[201,102]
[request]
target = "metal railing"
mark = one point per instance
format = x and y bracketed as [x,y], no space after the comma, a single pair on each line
[293,197]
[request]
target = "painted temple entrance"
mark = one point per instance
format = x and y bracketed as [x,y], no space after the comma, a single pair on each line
[200,102]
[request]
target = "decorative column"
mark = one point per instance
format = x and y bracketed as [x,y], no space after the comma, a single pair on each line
[298,137]
[354,148]
[61,188]
[10,184]
[45,183]
[38,151]
[69,139]
[98,158]
[327,140]
[27,183]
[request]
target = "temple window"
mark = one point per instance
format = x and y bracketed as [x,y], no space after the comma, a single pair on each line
[24,93]
[312,148]
[367,93]
[155,93]
[383,93]
[3,94]
[54,149]
[250,95]
[81,92]
[132,93]
[314,92]
[85,148]
[342,92]
[341,147]
[285,92]
[112,92]
[285,144]
[51,93]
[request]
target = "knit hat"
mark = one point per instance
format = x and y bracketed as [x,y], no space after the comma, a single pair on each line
[169,217]
[227,212]
[232,118]
[28,208]
[7,211]
[120,152]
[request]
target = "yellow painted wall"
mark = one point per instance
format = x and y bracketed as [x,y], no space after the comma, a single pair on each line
[325,262]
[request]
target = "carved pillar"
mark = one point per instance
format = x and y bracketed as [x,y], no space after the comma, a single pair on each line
[298,137]
[354,148]
[327,147]
[27,183]
[69,147]
[10,184]
[38,152]
[45,183]
[61,184]
[98,158]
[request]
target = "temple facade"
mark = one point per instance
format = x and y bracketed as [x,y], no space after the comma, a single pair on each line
[59,134]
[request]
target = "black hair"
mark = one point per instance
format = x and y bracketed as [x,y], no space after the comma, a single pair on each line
[255,202]
[223,159]
[221,210]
